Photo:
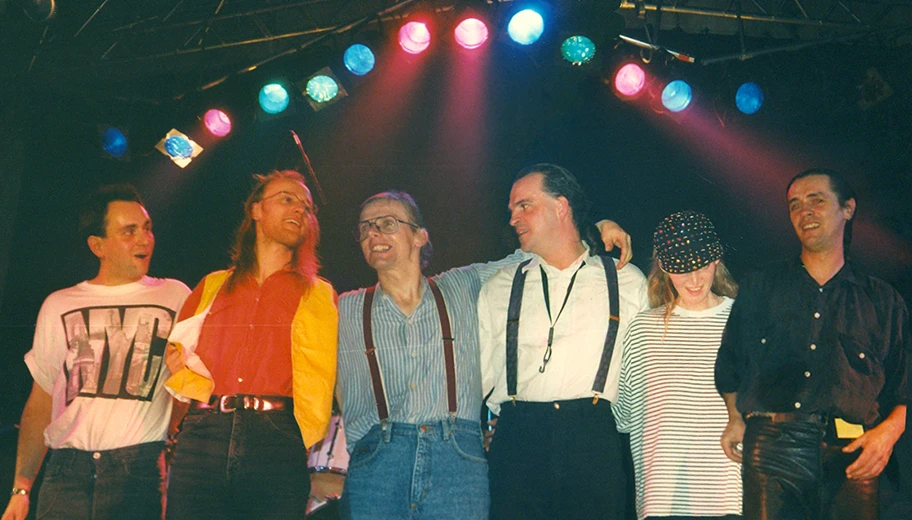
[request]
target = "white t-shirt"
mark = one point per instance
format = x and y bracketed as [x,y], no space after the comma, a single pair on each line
[99,352]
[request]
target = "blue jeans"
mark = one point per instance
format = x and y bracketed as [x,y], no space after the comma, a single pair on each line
[242,464]
[121,483]
[435,470]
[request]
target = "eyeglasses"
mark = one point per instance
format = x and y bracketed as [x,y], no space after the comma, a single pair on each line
[287,198]
[386,224]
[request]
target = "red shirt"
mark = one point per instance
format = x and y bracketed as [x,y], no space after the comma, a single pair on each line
[245,341]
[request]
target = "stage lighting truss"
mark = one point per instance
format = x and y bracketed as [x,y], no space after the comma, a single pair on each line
[179,148]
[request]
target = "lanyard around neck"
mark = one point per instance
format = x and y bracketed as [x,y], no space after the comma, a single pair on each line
[553,321]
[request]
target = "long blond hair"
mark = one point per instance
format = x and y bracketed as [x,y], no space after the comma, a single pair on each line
[304,260]
[661,290]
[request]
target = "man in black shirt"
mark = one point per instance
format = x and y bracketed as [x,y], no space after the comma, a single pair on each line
[814,369]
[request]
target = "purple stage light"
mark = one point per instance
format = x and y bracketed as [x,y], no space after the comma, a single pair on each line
[217,122]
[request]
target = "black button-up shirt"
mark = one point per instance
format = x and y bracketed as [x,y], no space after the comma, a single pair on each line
[791,345]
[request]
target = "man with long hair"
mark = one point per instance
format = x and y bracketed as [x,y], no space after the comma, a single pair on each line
[814,369]
[255,354]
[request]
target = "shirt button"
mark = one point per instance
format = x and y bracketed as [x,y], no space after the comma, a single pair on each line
[414,353]
[240,380]
[813,346]
[797,405]
[413,386]
[96,455]
[807,374]
[861,355]
[557,406]
[763,341]
[817,315]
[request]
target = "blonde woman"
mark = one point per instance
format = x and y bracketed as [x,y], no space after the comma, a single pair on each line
[667,399]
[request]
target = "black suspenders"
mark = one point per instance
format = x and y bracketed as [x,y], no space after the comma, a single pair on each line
[513,311]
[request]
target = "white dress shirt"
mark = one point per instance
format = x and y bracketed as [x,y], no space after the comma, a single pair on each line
[579,331]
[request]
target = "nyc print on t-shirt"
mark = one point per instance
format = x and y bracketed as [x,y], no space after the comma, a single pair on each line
[115,352]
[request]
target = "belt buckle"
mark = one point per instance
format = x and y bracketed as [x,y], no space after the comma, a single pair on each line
[223,405]
[252,402]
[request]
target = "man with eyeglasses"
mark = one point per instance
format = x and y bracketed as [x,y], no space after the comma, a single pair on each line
[409,381]
[255,350]
[547,331]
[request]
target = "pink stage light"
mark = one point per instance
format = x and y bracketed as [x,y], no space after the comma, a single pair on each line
[217,122]
[414,37]
[471,33]
[629,80]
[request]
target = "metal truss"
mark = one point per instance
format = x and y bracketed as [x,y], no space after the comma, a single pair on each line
[803,23]
[123,41]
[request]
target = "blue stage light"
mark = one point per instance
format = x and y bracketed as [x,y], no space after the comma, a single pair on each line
[749,98]
[359,59]
[273,98]
[526,27]
[677,96]
[178,147]
[114,142]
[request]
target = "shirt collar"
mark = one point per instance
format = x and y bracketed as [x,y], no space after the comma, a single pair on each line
[848,272]
[538,261]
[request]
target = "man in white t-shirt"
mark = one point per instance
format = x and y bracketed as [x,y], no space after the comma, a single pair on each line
[97,402]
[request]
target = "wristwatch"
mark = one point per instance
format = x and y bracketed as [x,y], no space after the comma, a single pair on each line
[19,491]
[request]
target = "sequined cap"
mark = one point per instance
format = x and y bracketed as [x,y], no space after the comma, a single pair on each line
[686,241]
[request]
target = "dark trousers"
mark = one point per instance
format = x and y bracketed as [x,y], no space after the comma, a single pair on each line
[241,465]
[792,472]
[558,460]
[121,483]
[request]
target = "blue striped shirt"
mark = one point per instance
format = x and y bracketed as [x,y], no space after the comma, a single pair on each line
[410,352]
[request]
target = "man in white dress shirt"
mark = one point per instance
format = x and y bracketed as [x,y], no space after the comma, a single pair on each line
[548,359]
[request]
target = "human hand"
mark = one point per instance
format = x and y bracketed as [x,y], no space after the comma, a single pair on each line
[17,508]
[174,357]
[613,235]
[488,434]
[732,439]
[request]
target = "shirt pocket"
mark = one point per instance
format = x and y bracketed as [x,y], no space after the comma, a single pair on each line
[860,356]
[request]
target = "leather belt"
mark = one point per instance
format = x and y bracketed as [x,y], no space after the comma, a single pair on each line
[257,403]
[781,417]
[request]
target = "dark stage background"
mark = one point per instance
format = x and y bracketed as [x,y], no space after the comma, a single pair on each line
[452,128]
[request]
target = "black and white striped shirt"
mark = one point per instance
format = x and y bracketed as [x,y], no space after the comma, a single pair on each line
[668,403]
